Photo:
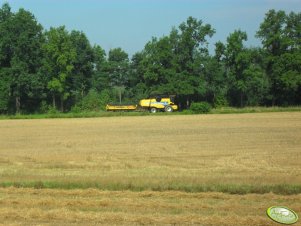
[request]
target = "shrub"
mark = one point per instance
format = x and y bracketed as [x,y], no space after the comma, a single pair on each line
[220,101]
[44,107]
[93,101]
[52,110]
[76,109]
[105,98]
[47,109]
[201,107]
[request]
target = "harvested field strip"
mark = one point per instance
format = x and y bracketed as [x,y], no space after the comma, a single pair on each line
[285,189]
[105,207]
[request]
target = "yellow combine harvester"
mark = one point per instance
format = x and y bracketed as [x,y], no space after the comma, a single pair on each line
[152,104]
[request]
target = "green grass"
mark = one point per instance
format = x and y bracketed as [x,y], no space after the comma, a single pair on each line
[241,189]
[231,110]
[222,110]
[73,115]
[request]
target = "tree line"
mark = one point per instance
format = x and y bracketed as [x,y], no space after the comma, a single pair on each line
[55,69]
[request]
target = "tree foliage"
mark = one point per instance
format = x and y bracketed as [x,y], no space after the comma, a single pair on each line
[280,34]
[42,68]
[20,57]
[59,60]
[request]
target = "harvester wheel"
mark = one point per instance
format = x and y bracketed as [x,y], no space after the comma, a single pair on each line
[153,110]
[168,108]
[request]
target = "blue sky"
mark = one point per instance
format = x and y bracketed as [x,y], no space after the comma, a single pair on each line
[130,24]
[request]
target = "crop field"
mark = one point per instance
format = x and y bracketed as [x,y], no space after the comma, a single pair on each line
[167,169]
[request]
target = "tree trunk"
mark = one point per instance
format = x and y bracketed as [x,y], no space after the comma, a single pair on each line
[187,103]
[62,103]
[18,104]
[53,101]
[241,99]
[273,101]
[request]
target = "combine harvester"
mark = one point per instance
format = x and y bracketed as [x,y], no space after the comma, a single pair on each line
[152,104]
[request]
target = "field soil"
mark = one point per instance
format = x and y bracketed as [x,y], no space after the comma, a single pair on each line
[167,169]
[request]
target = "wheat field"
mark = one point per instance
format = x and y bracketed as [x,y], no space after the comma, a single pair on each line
[167,169]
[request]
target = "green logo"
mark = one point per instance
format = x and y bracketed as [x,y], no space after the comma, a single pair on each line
[282,215]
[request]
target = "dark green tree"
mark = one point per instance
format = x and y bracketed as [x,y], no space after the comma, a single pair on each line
[191,50]
[217,85]
[5,94]
[280,35]
[60,55]
[244,73]
[118,70]
[174,64]
[215,82]
[20,58]
[157,65]
[5,57]
[81,80]
[100,79]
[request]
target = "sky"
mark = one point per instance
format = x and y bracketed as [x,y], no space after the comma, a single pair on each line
[130,24]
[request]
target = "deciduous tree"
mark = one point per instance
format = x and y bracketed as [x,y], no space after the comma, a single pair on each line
[60,55]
